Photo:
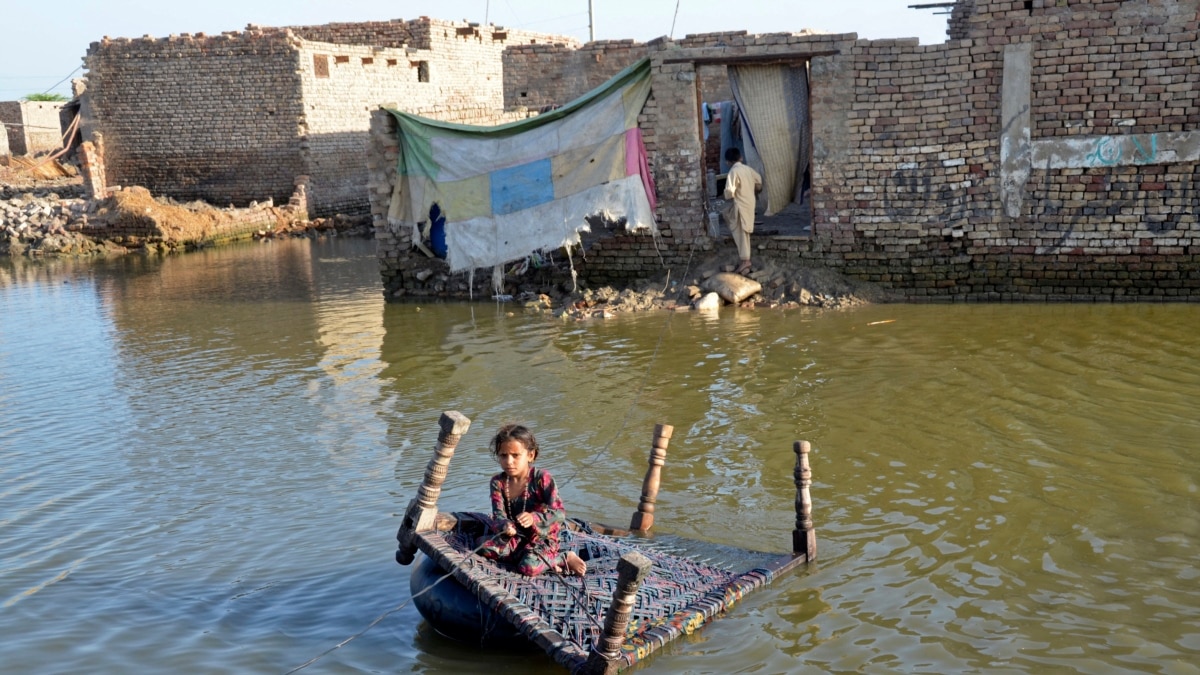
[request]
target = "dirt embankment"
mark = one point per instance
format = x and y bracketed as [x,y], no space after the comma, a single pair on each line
[43,212]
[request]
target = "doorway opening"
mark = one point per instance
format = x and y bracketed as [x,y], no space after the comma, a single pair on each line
[763,110]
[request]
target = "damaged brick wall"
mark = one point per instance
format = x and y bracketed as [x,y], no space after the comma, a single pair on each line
[444,70]
[238,117]
[545,75]
[1050,155]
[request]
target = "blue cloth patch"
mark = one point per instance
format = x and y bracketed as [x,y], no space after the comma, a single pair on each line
[521,187]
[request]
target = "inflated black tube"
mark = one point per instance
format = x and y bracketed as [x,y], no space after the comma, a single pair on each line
[455,612]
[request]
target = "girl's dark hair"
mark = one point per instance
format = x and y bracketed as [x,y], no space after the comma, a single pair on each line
[515,432]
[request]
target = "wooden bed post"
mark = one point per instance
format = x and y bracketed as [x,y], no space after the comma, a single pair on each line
[605,657]
[643,519]
[422,510]
[804,537]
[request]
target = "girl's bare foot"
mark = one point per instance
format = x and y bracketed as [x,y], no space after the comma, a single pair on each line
[575,564]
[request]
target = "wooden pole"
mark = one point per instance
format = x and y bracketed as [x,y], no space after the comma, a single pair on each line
[804,537]
[643,519]
[605,657]
[422,510]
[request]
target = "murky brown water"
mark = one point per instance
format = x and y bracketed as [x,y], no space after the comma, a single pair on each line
[203,460]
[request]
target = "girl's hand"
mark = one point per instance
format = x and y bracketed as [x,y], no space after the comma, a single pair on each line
[510,530]
[525,519]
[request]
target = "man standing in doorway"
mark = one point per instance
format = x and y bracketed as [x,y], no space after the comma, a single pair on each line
[741,185]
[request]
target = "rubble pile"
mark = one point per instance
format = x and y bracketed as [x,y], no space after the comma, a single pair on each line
[773,284]
[38,223]
[51,217]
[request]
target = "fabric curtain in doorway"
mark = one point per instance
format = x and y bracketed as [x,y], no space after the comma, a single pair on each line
[773,103]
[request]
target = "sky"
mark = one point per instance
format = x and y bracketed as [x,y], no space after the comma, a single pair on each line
[45,40]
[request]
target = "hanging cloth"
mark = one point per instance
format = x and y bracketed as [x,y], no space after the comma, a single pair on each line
[773,104]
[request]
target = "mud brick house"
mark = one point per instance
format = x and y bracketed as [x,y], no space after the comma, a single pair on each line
[246,115]
[1047,151]
[33,127]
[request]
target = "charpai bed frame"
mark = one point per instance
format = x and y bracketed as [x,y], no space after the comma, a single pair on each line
[639,592]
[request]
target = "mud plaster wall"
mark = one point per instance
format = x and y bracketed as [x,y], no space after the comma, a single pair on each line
[4,152]
[33,127]
[240,117]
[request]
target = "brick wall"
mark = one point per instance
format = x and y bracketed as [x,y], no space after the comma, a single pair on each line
[444,70]
[1086,190]
[199,117]
[542,75]
[1048,151]
[1049,154]
[241,116]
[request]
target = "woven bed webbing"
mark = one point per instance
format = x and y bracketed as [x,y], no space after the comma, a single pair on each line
[563,616]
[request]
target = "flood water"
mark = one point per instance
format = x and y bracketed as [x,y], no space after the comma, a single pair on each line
[204,460]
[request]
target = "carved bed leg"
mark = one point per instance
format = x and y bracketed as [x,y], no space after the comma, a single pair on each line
[605,657]
[422,510]
[804,537]
[643,519]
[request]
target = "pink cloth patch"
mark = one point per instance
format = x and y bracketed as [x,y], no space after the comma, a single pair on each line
[637,164]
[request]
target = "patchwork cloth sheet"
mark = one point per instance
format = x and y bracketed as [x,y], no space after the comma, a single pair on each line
[510,190]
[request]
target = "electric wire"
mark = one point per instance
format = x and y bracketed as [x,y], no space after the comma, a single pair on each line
[77,69]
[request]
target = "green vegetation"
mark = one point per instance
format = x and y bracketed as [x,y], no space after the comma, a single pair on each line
[45,97]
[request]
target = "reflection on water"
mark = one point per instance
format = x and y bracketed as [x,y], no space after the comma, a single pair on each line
[203,460]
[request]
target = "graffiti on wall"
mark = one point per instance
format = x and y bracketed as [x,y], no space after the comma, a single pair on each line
[1107,151]
[922,194]
[910,195]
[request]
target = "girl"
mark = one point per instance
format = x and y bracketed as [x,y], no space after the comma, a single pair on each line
[527,514]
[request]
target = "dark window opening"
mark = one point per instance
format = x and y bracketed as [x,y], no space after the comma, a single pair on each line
[321,65]
[341,59]
[1029,6]
[367,60]
[422,70]
[391,62]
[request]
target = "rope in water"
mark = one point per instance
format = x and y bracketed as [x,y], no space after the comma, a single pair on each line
[385,615]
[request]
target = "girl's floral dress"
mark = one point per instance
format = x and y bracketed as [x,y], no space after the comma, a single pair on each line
[535,549]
